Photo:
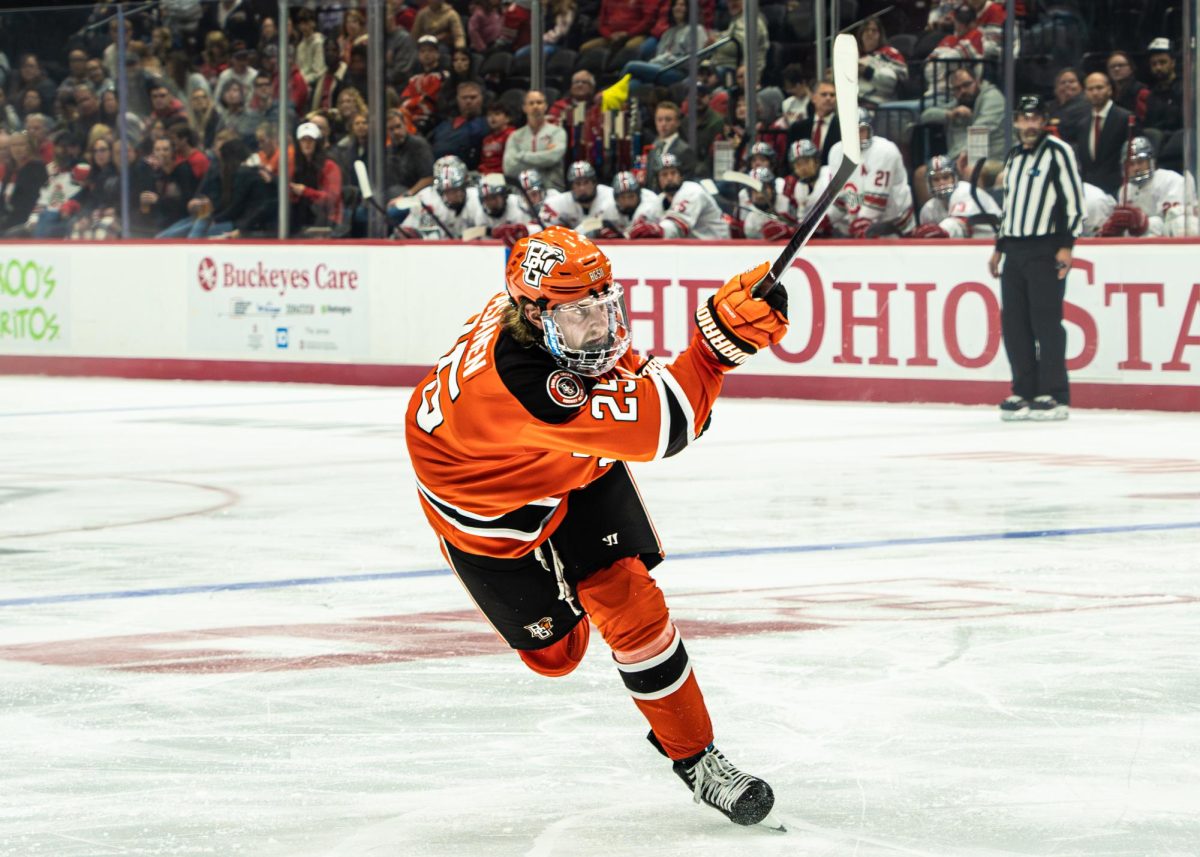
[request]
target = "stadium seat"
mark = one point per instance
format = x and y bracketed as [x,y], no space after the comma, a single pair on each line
[520,65]
[496,66]
[616,60]
[514,100]
[593,60]
[560,65]
[905,43]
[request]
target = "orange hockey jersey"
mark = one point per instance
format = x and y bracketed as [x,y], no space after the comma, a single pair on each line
[499,434]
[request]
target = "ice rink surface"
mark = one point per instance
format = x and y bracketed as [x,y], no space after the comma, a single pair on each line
[225,629]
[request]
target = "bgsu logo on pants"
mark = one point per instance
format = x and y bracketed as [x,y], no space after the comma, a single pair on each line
[542,629]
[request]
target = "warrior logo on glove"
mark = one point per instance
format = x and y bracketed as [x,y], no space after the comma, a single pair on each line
[539,260]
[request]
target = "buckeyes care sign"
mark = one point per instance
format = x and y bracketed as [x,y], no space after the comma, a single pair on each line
[278,304]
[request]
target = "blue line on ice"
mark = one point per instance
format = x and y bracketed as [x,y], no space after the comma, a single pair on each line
[706,554]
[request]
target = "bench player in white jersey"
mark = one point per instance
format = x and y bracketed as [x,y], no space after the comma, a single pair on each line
[586,198]
[877,200]
[1097,207]
[501,211]
[798,187]
[762,156]
[689,212]
[953,211]
[1154,198]
[763,219]
[446,208]
[631,203]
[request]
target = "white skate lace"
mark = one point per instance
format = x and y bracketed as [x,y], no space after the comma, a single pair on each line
[717,782]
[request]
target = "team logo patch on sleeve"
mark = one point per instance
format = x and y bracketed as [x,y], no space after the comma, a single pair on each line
[566,389]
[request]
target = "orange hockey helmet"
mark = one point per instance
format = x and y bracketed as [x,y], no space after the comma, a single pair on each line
[584,323]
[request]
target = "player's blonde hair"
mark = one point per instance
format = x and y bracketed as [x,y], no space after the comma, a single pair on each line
[518,326]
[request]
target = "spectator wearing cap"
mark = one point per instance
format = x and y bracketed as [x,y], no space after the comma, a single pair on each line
[1164,106]
[1128,91]
[440,20]
[1043,216]
[315,182]
[420,97]
[1069,111]
[539,145]
[409,165]
[1100,141]
[666,123]
[462,135]
[239,70]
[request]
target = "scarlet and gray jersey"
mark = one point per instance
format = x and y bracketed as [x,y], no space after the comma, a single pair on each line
[649,210]
[1097,206]
[561,208]
[1162,200]
[782,204]
[430,224]
[877,191]
[693,213]
[955,216]
[513,212]
[799,196]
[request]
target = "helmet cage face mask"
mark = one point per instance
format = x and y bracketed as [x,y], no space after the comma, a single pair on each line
[589,335]
[941,178]
[1140,169]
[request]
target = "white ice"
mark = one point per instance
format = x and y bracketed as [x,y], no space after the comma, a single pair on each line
[909,680]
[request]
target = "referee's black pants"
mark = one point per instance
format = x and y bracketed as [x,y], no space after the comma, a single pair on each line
[1031,316]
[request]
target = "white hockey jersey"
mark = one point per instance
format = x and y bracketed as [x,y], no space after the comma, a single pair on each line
[693,213]
[783,204]
[877,191]
[1097,206]
[954,216]
[799,195]
[1162,200]
[755,220]
[561,208]
[429,221]
[649,210]
[513,212]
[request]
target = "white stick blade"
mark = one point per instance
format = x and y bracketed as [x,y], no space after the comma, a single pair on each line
[474,233]
[845,78]
[742,179]
[364,181]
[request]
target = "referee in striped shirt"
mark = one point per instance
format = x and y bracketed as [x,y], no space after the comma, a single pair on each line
[1043,215]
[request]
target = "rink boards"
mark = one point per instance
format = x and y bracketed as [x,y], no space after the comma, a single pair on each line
[874,321]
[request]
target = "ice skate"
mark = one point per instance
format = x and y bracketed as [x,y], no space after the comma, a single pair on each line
[714,780]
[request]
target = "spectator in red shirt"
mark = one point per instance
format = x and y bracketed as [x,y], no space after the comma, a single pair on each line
[316,182]
[186,141]
[622,24]
[562,113]
[165,106]
[420,97]
[500,127]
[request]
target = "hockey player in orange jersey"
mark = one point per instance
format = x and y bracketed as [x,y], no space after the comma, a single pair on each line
[519,437]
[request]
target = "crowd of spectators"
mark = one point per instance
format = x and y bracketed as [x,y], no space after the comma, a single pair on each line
[202,113]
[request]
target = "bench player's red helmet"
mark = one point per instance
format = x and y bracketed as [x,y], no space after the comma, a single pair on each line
[585,325]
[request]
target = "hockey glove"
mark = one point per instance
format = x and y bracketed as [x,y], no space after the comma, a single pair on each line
[645,229]
[610,233]
[1116,224]
[1136,220]
[68,209]
[734,325]
[773,230]
[509,233]
[930,230]
[859,227]
[737,228]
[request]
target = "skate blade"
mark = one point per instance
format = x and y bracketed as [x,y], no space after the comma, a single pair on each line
[773,822]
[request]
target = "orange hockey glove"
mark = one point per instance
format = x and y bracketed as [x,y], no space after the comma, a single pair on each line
[735,325]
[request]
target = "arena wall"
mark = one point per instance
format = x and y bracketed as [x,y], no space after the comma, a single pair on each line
[878,321]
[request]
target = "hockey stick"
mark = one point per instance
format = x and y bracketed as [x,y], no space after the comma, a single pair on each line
[364,187]
[982,218]
[845,76]
[533,209]
[1125,160]
[741,178]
